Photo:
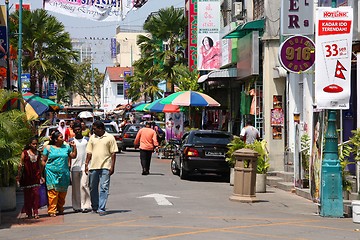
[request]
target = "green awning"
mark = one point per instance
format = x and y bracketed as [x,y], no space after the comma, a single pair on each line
[244,29]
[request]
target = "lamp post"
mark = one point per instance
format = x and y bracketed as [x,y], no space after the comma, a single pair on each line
[20,47]
[331,198]
[8,80]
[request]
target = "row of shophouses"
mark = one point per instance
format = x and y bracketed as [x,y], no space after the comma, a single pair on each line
[282,104]
[251,84]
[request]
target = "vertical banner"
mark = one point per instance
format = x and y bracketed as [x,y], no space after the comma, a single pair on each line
[192,44]
[126,85]
[113,47]
[333,41]
[208,35]
[316,155]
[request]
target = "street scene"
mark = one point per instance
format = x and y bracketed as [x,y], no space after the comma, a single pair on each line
[162,206]
[182,119]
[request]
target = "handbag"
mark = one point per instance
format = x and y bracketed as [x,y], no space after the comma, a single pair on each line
[43,198]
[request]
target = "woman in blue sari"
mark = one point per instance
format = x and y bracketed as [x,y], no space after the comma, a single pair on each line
[56,162]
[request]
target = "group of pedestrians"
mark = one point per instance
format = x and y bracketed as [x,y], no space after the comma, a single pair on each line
[89,161]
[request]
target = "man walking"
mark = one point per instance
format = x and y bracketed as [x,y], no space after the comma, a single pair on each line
[80,180]
[101,154]
[146,139]
[249,133]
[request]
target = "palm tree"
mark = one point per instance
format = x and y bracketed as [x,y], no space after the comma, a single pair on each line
[47,47]
[168,25]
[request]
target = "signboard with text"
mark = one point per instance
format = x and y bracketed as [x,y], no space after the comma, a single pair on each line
[297,17]
[192,42]
[297,54]
[333,57]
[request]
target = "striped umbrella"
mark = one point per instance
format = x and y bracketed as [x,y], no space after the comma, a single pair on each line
[157,106]
[141,107]
[190,98]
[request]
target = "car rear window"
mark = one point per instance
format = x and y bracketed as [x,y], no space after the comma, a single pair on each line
[212,138]
[133,128]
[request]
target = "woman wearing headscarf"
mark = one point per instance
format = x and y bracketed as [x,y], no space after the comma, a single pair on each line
[56,161]
[62,127]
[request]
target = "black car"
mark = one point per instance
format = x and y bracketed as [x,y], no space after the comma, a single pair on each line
[129,134]
[202,151]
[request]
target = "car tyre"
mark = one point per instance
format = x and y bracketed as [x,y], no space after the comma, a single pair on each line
[174,167]
[183,173]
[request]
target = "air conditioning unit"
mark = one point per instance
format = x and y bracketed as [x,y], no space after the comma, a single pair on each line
[237,9]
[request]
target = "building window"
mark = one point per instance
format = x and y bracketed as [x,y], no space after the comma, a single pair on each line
[258,9]
[120,89]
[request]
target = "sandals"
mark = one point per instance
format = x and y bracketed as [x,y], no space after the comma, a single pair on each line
[36,216]
[52,214]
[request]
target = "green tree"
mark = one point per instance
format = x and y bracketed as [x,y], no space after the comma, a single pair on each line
[186,79]
[47,48]
[83,85]
[168,26]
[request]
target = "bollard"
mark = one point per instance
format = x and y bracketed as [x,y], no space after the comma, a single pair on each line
[245,175]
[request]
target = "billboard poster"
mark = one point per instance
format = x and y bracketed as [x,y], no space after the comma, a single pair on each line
[192,42]
[94,10]
[316,155]
[25,82]
[126,85]
[333,39]
[208,35]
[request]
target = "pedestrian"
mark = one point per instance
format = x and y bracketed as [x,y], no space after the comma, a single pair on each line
[146,139]
[79,180]
[85,131]
[69,133]
[62,127]
[29,178]
[55,159]
[178,133]
[100,165]
[249,133]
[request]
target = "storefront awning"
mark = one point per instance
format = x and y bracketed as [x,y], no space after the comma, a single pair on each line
[242,30]
[223,73]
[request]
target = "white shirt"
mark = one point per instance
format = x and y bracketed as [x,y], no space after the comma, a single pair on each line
[78,163]
[250,133]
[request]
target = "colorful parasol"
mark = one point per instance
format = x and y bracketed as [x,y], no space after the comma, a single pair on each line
[141,107]
[190,98]
[157,106]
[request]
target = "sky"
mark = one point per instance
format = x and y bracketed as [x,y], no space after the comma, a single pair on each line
[85,28]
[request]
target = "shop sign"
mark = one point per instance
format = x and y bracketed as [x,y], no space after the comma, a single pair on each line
[297,17]
[297,54]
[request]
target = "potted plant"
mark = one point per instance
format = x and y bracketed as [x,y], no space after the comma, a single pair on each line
[234,145]
[262,163]
[15,131]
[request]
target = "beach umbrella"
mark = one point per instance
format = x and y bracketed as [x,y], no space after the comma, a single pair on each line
[39,105]
[156,106]
[141,107]
[85,114]
[190,98]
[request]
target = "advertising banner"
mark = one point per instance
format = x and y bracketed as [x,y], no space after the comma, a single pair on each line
[94,10]
[333,53]
[192,44]
[208,35]
[25,82]
[113,47]
[297,17]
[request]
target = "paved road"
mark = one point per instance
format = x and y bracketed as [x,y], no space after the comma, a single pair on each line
[197,209]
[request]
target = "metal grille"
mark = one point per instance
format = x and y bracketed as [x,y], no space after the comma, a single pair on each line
[259,118]
[258,9]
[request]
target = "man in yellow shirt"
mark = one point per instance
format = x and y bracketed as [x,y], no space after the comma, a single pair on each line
[101,154]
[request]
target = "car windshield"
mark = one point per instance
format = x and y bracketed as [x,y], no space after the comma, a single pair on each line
[211,138]
[110,128]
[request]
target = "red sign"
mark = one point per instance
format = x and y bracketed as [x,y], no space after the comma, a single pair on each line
[192,28]
[331,27]
[26,6]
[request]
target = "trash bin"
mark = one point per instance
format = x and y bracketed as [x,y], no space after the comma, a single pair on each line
[245,175]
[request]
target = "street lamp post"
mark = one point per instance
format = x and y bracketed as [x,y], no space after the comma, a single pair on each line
[331,198]
[20,47]
[8,80]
